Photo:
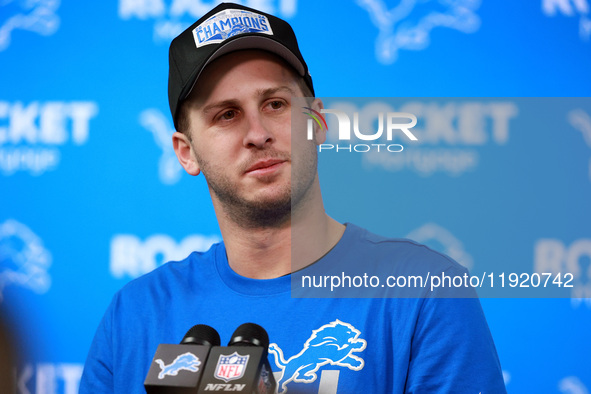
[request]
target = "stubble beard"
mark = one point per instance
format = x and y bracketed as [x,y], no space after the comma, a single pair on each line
[272,212]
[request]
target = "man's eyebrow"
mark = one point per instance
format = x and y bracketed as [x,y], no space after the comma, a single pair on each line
[271,91]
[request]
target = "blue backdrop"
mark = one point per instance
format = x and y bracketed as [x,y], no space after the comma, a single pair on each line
[88,178]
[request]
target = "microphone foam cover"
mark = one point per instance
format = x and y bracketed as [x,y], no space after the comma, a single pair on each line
[250,334]
[201,334]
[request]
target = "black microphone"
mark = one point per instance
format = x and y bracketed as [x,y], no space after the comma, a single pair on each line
[177,369]
[242,365]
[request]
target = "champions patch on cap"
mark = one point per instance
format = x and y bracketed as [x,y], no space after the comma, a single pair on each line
[229,23]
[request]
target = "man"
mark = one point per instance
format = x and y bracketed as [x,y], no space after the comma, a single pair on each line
[234,77]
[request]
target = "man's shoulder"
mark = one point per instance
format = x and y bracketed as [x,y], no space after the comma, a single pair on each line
[366,265]
[400,251]
[176,273]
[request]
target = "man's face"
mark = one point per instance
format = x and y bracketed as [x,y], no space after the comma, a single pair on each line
[240,127]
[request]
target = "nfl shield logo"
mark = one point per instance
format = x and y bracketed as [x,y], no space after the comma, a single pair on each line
[231,367]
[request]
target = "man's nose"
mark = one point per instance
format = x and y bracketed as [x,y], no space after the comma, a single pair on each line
[258,133]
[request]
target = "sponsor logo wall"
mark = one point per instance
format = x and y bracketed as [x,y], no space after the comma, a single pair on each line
[34,131]
[88,178]
[171,17]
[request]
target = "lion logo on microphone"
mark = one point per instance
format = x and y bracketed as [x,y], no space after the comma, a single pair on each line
[333,344]
[187,361]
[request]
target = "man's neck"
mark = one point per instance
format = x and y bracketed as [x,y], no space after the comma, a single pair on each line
[271,252]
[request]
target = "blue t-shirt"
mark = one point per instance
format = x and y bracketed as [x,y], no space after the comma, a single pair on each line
[318,345]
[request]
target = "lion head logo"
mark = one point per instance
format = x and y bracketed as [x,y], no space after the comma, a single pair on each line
[38,16]
[333,344]
[23,259]
[409,24]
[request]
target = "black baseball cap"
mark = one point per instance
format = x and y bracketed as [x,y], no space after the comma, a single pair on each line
[227,28]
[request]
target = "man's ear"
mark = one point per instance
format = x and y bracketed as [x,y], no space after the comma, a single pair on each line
[320,132]
[184,153]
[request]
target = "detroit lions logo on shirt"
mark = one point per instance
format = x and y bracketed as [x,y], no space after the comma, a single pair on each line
[333,344]
[187,361]
[229,23]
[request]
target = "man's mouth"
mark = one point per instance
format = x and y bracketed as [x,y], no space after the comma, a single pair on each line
[265,166]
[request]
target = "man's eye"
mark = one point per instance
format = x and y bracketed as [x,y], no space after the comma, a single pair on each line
[276,104]
[228,115]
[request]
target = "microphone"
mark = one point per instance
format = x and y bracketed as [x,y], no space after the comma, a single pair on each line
[177,369]
[242,365]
